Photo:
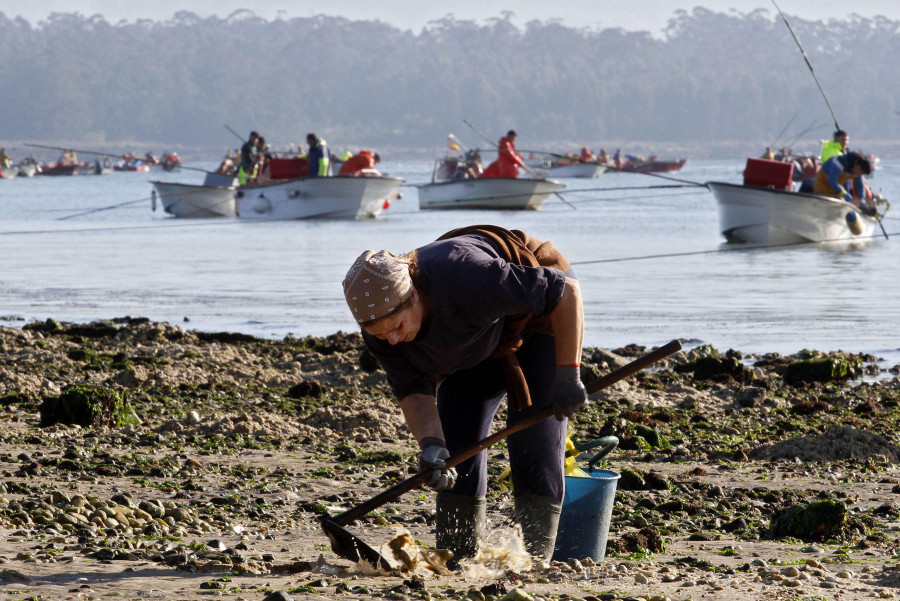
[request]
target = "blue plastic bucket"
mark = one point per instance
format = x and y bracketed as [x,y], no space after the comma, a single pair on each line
[586,515]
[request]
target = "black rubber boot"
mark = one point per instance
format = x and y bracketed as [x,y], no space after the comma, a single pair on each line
[460,524]
[539,518]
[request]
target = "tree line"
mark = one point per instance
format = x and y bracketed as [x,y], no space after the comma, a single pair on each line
[709,78]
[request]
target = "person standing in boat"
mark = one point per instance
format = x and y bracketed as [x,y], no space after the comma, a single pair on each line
[68,158]
[837,146]
[249,156]
[260,172]
[479,315]
[319,159]
[508,160]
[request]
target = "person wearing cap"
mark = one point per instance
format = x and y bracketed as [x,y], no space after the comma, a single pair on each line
[480,314]
[508,160]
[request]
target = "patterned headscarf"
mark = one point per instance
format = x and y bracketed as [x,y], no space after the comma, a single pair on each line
[376,284]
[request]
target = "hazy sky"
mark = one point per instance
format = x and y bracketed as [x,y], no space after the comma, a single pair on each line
[645,15]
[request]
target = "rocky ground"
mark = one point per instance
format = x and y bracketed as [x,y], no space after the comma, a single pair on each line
[144,461]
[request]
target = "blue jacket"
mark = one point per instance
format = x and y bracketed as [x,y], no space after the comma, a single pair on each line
[838,165]
[319,161]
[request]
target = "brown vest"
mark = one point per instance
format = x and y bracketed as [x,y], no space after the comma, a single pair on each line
[518,248]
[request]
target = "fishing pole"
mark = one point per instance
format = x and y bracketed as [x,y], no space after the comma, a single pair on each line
[533,174]
[821,89]
[802,133]
[808,64]
[783,129]
[239,136]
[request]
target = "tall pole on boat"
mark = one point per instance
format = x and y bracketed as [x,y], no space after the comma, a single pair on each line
[808,64]
[237,135]
[821,89]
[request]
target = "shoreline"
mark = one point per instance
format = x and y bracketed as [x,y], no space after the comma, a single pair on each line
[888,362]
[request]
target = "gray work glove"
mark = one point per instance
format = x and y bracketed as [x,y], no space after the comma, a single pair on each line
[568,393]
[434,452]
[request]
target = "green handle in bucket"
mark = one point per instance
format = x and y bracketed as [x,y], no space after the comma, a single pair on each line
[609,444]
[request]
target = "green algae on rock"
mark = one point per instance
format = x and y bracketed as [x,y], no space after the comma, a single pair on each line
[814,521]
[88,406]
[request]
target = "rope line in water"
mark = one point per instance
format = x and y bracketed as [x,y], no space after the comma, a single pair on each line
[741,247]
[167,225]
[629,198]
[144,199]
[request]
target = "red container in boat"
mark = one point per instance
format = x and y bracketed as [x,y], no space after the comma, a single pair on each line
[288,168]
[768,174]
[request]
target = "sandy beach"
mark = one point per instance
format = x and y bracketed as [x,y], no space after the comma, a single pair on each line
[209,458]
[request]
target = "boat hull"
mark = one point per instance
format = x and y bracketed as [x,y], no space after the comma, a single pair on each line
[496,193]
[26,168]
[59,169]
[193,201]
[575,170]
[339,197]
[653,166]
[771,216]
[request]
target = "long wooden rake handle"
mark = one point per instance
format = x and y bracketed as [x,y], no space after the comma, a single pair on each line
[420,478]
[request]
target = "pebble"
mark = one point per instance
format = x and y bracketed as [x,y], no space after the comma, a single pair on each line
[814,563]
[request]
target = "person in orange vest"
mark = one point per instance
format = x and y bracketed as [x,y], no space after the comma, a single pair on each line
[358,162]
[587,156]
[508,160]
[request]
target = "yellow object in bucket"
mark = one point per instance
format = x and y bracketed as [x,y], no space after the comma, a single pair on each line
[572,469]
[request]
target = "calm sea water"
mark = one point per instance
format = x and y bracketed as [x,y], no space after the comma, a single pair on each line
[651,261]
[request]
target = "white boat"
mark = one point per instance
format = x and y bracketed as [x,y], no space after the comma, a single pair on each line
[499,193]
[555,167]
[194,200]
[338,197]
[26,167]
[579,170]
[452,188]
[777,216]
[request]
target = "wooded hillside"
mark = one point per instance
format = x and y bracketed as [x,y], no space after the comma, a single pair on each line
[713,77]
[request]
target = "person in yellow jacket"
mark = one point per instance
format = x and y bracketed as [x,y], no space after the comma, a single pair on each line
[837,146]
